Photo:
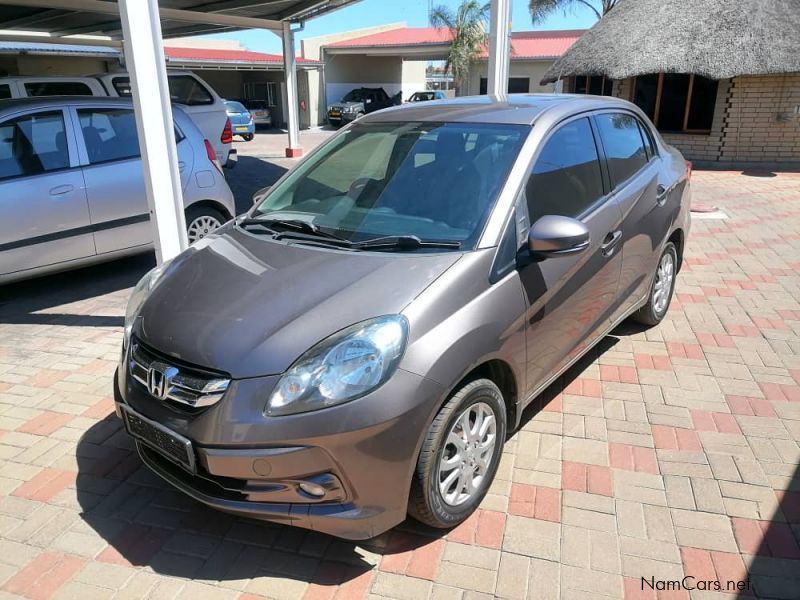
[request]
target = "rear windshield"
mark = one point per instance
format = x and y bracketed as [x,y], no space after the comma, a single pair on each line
[234,107]
[432,180]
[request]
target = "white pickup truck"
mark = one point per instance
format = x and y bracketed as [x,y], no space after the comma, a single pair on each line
[187,90]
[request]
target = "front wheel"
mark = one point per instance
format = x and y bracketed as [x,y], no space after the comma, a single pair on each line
[459,456]
[661,291]
[202,220]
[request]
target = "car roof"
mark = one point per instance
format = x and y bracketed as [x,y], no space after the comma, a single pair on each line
[57,101]
[522,109]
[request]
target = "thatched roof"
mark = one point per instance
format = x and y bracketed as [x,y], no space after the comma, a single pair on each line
[715,38]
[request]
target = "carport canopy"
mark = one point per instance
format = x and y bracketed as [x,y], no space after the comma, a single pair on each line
[143,24]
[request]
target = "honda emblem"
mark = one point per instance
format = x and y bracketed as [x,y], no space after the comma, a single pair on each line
[159,380]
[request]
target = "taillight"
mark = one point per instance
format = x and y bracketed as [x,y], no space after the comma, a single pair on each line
[227,133]
[688,169]
[212,156]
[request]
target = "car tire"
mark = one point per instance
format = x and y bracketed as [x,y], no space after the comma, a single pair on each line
[661,290]
[202,220]
[427,502]
[248,137]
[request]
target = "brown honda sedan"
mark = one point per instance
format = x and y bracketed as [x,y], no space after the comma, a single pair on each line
[359,345]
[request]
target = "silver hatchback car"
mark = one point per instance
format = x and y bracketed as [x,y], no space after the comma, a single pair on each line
[72,188]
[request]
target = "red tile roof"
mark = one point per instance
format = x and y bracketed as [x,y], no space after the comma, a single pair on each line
[526,44]
[227,56]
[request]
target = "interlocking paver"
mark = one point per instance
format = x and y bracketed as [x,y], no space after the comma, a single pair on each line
[674,452]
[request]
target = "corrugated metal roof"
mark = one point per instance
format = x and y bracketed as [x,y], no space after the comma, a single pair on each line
[57,49]
[525,44]
[215,55]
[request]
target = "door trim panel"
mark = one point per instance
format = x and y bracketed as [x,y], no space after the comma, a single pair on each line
[68,233]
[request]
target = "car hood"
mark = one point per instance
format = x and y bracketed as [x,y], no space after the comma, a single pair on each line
[343,105]
[250,306]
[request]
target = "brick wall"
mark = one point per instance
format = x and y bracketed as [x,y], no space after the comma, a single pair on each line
[754,123]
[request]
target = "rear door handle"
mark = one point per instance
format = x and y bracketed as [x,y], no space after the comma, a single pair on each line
[610,243]
[60,190]
[662,194]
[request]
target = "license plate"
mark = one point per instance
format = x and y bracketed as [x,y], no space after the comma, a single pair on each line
[241,129]
[259,114]
[163,440]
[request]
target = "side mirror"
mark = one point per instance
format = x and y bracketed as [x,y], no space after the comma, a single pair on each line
[554,235]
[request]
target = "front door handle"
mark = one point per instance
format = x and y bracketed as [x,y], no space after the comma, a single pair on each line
[60,190]
[661,195]
[610,243]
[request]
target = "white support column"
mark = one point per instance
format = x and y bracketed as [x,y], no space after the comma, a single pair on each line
[499,47]
[144,58]
[292,113]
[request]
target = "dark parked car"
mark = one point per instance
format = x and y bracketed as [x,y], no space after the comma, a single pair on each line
[360,102]
[358,346]
[427,96]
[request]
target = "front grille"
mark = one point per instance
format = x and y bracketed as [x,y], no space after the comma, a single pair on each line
[166,381]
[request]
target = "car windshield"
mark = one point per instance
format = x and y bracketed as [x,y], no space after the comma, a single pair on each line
[435,181]
[234,107]
[354,96]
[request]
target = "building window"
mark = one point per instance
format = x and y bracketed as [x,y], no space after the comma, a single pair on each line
[596,85]
[676,102]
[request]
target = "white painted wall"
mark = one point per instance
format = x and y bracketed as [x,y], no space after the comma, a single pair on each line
[413,77]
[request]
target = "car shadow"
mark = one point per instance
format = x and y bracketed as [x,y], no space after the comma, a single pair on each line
[147,523]
[31,302]
[773,566]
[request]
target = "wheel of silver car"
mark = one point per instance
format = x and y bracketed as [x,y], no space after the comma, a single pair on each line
[200,221]
[459,455]
[662,288]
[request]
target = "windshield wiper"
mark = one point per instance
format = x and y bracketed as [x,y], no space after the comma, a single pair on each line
[310,230]
[404,242]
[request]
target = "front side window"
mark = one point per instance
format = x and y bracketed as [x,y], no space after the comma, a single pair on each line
[430,180]
[57,88]
[566,178]
[677,102]
[109,134]
[622,141]
[32,145]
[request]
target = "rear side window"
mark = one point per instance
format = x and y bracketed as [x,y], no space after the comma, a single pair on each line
[32,145]
[566,178]
[109,134]
[183,89]
[623,144]
[5,92]
[57,88]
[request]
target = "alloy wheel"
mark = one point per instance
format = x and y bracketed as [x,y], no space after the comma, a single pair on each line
[201,227]
[665,278]
[467,454]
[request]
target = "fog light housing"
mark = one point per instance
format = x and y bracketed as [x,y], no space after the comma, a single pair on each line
[312,489]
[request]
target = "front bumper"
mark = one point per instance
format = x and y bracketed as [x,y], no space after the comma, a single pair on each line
[362,453]
[342,118]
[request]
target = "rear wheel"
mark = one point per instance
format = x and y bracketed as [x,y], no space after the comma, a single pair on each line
[248,137]
[459,456]
[202,220]
[662,289]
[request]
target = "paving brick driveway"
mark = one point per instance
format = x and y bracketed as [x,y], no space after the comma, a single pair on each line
[669,452]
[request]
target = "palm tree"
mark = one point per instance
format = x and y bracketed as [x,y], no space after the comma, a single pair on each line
[543,8]
[467,26]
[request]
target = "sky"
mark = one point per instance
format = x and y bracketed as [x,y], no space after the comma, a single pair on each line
[369,13]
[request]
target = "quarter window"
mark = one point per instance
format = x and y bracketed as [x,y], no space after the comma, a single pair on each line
[57,88]
[109,134]
[32,145]
[566,178]
[623,144]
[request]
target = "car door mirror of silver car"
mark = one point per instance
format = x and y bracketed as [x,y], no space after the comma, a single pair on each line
[554,235]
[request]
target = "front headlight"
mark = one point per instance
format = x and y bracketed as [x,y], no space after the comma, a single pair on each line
[140,293]
[341,368]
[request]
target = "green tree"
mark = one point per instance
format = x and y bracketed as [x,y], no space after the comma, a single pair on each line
[540,9]
[467,25]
